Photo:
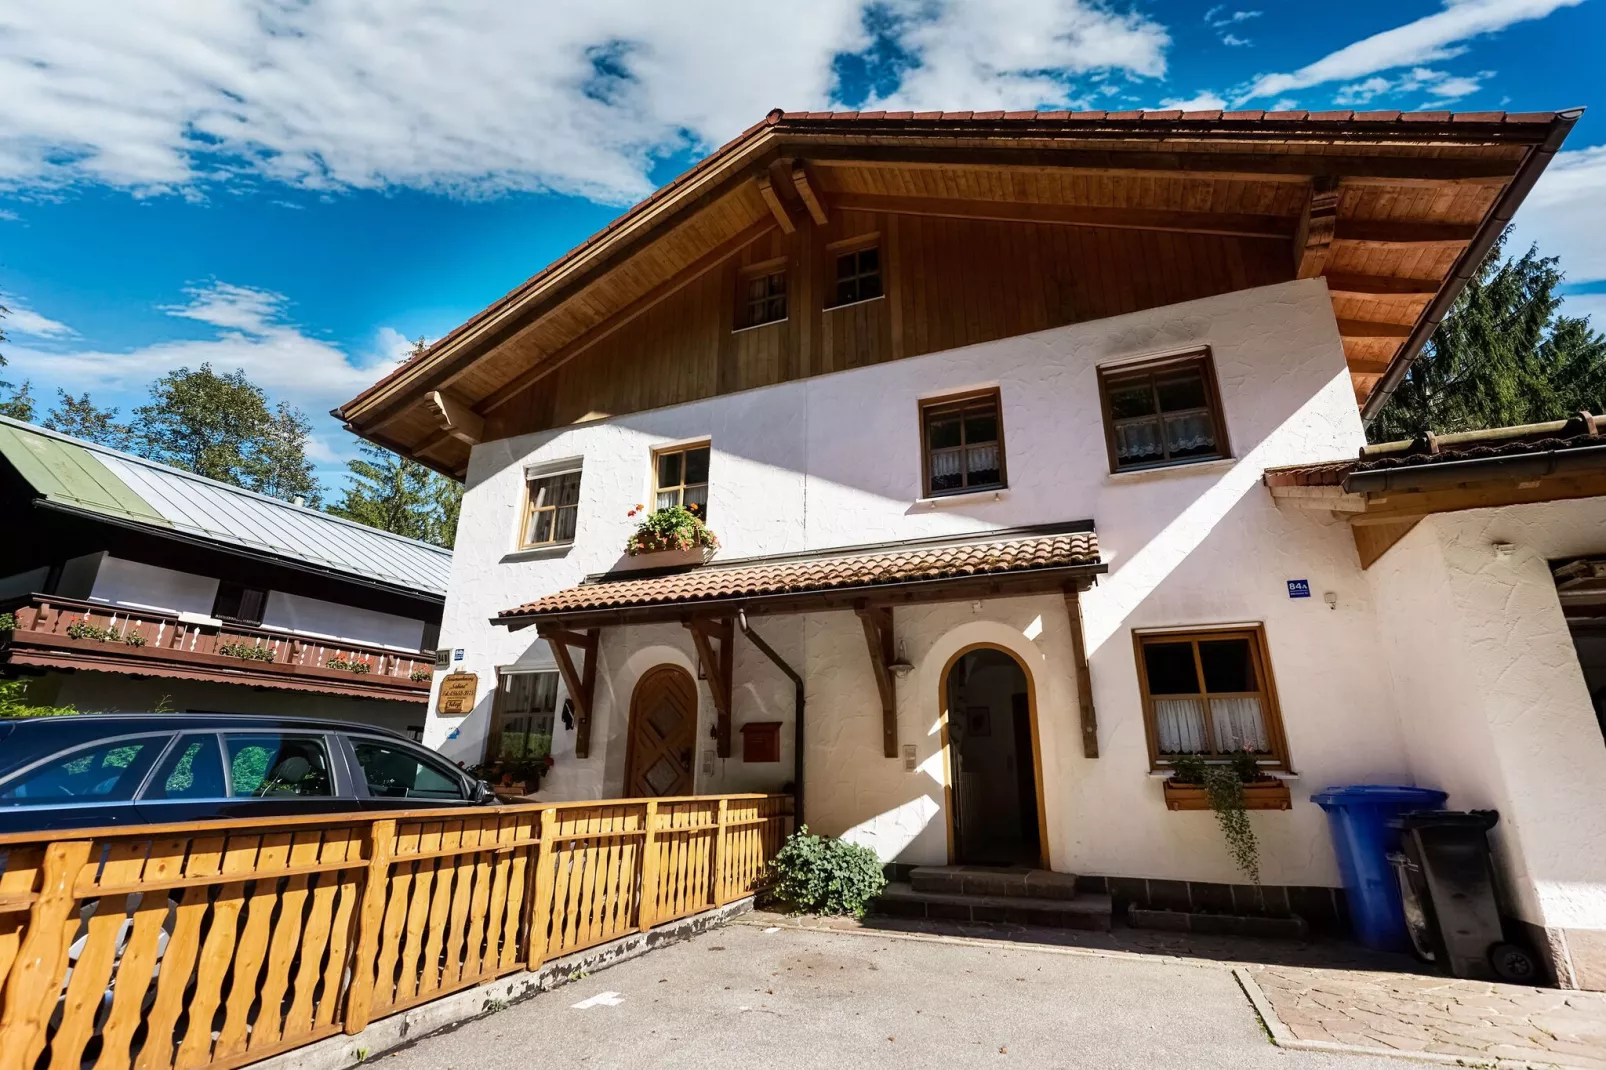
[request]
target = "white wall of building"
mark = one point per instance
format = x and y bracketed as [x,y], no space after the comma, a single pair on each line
[834,460]
[331,620]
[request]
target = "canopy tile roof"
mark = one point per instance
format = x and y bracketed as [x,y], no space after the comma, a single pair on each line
[81,476]
[760,578]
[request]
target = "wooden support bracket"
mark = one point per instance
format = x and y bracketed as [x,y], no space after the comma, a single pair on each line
[805,191]
[717,664]
[1314,238]
[877,621]
[581,684]
[1084,678]
[456,418]
[777,209]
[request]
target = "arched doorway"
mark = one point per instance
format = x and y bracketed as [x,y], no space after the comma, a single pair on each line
[663,733]
[992,758]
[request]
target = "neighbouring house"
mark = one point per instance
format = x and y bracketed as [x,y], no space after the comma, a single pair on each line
[1030,444]
[136,586]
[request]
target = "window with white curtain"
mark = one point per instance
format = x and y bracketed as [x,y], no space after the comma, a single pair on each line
[525,708]
[1209,693]
[1162,412]
[551,508]
[962,437]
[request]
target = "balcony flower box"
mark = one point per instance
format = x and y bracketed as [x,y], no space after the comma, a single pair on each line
[669,538]
[1268,794]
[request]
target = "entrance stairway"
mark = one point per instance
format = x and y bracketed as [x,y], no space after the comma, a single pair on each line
[989,894]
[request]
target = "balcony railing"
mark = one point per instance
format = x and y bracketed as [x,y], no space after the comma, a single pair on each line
[209,946]
[67,633]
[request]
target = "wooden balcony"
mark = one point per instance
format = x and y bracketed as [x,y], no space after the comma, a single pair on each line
[65,633]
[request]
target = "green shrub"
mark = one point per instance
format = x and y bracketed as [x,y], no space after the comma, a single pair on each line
[822,875]
[674,528]
[8,623]
[247,651]
[82,629]
[418,676]
[358,667]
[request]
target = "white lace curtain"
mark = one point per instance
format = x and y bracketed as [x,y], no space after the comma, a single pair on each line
[1240,723]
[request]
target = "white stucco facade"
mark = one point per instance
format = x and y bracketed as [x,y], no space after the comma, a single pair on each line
[1369,691]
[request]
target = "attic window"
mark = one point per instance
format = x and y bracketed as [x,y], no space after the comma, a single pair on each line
[858,275]
[763,294]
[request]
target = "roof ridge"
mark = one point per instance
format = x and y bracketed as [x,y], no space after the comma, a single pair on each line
[145,462]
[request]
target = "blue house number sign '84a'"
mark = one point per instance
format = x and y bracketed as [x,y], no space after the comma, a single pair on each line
[1299,588]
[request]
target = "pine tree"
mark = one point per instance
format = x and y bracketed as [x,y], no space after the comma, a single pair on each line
[81,418]
[389,492]
[1503,356]
[19,405]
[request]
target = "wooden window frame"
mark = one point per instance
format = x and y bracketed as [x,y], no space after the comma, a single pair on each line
[924,406]
[1200,358]
[682,447]
[767,269]
[529,508]
[1271,708]
[852,247]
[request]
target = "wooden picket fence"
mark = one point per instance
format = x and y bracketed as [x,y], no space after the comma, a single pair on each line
[213,945]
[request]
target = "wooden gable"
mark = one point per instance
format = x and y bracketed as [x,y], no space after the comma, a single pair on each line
[987,227]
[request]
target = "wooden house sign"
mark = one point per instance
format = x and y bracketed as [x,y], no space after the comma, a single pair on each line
[457,693]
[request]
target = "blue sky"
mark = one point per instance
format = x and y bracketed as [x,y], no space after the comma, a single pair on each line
[296,189]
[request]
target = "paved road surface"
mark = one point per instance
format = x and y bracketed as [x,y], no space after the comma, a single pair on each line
[744,998]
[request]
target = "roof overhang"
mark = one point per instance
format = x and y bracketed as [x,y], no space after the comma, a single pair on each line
[992,565]
[1343,178]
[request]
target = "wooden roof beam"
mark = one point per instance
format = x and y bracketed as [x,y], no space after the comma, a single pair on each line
[1401,232]
[1313,237]
[805,191]
[456,418]
[717,666]
[1382,286]
[877,621]
[783,218]
[1373,329]
[582,683]
[1223,223]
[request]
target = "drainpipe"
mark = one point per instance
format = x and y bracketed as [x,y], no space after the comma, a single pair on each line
[797,715]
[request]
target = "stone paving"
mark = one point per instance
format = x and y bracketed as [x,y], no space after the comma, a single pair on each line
[1477,1021]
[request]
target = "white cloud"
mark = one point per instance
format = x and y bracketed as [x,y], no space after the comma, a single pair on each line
[20,319]
[1235,41]
[1441,87]
[1566,214]
[1205,101]
[8,216]
[253,333]
[485,95]
[1229,20]
[1432,38]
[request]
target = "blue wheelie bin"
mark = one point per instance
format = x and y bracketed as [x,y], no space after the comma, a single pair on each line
[1365,822]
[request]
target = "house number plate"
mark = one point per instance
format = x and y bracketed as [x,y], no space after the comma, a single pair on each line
[457,693]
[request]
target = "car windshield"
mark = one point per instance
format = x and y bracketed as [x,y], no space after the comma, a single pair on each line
[101,772]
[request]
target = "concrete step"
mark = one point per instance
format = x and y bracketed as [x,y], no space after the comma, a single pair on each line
[1091,912]
[993,881]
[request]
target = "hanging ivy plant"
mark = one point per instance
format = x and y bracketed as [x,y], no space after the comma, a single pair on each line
[1224,787]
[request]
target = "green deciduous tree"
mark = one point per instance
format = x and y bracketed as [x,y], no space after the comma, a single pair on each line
[81,418]
[1502,356]
[395,494]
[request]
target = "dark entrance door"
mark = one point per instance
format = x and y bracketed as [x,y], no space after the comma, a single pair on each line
[993,766]
[663,729]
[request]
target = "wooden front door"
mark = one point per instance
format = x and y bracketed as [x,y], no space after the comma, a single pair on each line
[663,733]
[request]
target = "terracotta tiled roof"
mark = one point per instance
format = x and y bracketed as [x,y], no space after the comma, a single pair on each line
[791,576]
[1581,431]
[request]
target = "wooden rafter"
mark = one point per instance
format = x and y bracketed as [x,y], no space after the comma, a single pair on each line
[455,416]
[559,357]
[1403,232]
[1221,223]
[1373,329]
[1381,285]
[1313,237]
[805,191]
[1084,677]
[717,666]
[783,218]
[877,621]
[581,684]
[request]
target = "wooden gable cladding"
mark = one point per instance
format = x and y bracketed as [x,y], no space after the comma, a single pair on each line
[989,224]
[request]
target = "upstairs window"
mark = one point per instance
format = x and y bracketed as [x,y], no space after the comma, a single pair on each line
[962,440]
[858,275]
[552,508]
[238,603]
[682,479]
[1209,693]
[1162,413]
[763,295]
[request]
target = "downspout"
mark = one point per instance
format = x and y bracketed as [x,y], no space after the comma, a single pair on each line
[797,715]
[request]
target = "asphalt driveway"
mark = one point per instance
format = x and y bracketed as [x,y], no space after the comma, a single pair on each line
[743,997]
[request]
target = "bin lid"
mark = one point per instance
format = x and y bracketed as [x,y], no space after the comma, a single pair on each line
[1468,819]
[1374,794]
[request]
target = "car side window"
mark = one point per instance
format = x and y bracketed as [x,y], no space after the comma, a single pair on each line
[273,765]
[193,769]
[396,772]
[101,772]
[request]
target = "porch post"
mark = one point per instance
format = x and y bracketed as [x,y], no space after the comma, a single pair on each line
[1084,678]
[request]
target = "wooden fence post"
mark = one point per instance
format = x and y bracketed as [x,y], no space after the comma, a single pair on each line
[719,856]
[541,889]
[647,913]
[41,963]
[370,920]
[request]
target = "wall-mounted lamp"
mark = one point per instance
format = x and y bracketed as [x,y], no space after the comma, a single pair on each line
[901,665]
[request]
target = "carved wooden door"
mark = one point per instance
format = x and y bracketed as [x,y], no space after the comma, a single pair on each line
[663,733]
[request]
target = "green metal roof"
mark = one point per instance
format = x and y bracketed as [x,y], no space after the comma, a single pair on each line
[66,472]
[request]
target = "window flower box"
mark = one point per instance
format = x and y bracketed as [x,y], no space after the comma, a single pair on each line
[668,538]
[1267,794]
